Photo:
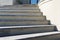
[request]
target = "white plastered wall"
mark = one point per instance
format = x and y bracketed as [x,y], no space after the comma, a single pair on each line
[6,2]
[52,11]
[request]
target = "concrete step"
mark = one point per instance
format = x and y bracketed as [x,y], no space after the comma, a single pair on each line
[44,36]
[20,7]
[19,14]
[24,5]
[19,10]
[18,30]
[22,17]
[21,23]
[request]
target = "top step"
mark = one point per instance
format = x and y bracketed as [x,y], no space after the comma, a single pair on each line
[19,7]
[24,5]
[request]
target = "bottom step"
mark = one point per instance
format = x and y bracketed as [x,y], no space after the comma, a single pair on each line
[18,30]
[45,36]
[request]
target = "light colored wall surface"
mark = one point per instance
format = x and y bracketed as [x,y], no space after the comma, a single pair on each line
[52,11]
[6,2]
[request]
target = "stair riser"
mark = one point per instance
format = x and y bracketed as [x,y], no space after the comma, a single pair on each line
[19,8]
[23,17]
[20,11]
[28,30]
[49,37]
[26,14]
[17,23]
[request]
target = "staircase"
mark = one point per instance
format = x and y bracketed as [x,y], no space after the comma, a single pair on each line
[23,19]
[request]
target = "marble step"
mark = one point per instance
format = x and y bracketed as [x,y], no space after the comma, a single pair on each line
[22,17]
[44,36]
[19,10]
[19,14]
[18,30]
[21,23]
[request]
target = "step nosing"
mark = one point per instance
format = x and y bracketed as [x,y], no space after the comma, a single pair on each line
[36,35]
[22,15]
[27,20]
[31,26]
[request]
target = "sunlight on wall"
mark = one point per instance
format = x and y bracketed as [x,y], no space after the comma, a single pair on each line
[52,10]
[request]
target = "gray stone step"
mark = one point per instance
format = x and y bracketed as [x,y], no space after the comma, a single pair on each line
[15,30]
[19,10]
[23,17]
[21,23]
[51,36]
[20,7]
[24,5]
[25,14]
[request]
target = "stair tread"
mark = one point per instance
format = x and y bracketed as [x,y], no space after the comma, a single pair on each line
[21,23]
[18,37]
[19,11]
[37,35]
[24,5]
[20,8]
[19,14]
[23,20]
[28,26]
